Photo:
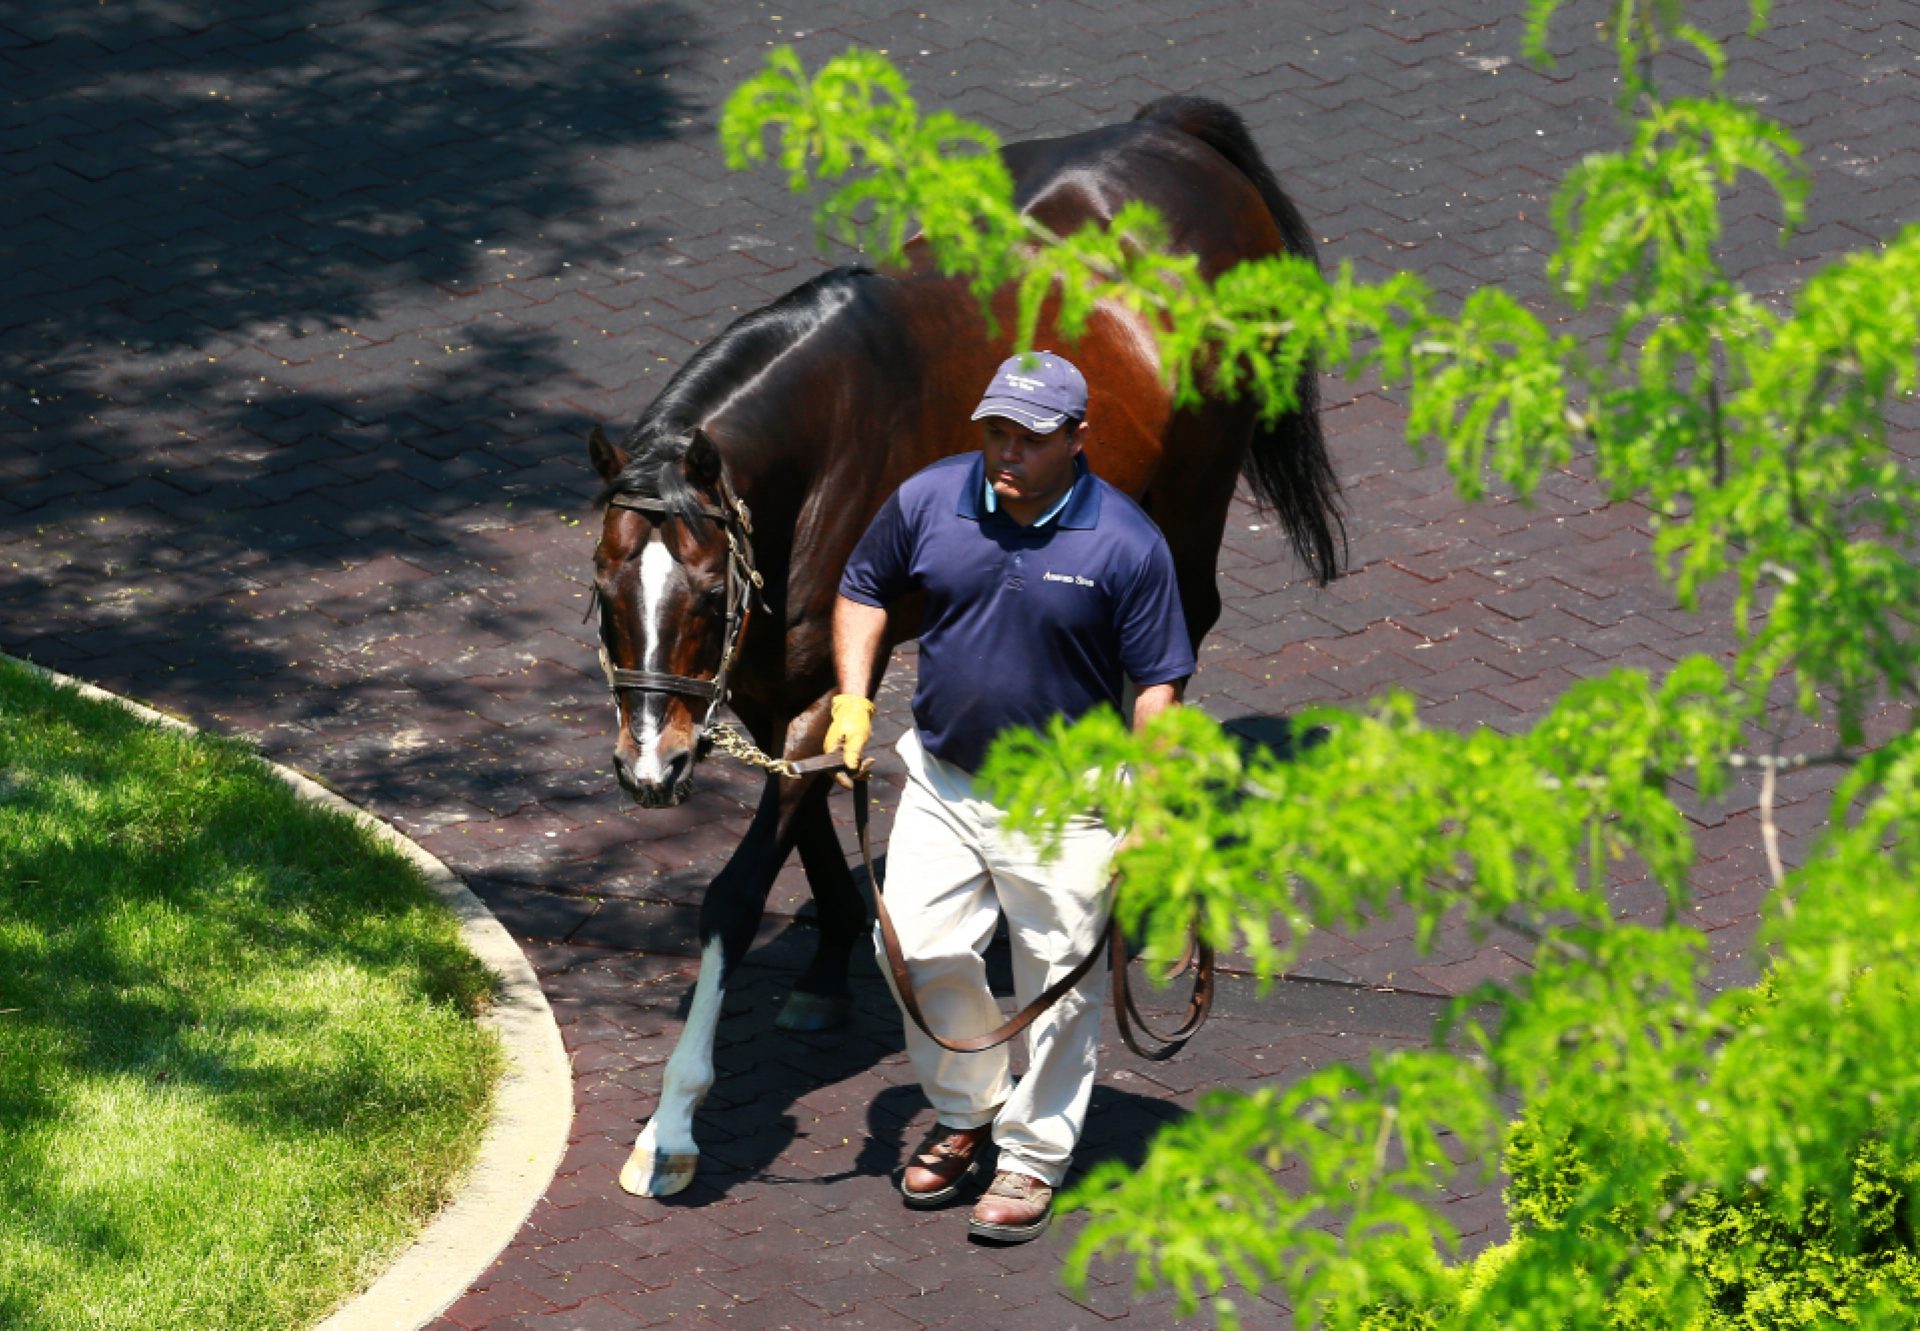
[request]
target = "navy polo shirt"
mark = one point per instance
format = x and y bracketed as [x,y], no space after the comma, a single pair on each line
[1022,624]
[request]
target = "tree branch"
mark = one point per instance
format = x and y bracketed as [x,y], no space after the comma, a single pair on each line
[1770,830]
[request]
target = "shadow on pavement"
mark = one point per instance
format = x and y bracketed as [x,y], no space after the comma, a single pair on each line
[261,328]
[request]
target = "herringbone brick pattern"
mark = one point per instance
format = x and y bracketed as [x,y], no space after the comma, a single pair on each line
[308,307]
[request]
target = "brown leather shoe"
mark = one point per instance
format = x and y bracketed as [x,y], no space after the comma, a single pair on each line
[945,1160]
[1015,1209]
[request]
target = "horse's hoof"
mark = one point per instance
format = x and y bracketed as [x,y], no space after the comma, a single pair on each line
[654,1173]
[814,1012]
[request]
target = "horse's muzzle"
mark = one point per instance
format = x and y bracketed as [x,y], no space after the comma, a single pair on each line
[670,787]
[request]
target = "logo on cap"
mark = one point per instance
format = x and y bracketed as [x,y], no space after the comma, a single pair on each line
[1037,389]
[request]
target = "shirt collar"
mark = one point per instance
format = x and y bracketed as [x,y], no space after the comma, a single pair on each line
[1078,507]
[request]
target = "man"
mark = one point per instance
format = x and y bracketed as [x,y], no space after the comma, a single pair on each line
[1046,591]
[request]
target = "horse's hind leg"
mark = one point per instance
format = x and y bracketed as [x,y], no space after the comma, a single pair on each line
[821,1000]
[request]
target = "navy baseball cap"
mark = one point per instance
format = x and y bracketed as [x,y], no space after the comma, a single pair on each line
[1036,389]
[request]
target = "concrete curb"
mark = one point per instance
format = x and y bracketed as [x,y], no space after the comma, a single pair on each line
[533,1106]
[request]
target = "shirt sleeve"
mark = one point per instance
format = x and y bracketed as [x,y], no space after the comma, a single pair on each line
[1153,625]
[880,569]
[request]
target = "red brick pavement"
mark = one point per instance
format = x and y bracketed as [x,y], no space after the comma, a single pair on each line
[308,308]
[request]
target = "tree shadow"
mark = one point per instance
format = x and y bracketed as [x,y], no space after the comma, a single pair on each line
[1272,735]
[313,303]
[199,177]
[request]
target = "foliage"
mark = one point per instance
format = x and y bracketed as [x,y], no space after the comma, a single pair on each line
[1756,1271]
[238,1065]
[1739,1127]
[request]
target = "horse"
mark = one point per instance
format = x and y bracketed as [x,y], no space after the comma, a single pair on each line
[734,501]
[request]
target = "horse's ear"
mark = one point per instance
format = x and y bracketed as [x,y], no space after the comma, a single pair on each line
[703,458]
[608,457]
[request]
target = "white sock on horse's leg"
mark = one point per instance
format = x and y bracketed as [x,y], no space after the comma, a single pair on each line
[664,1155]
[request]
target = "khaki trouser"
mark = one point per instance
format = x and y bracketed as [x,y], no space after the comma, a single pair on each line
[951,871]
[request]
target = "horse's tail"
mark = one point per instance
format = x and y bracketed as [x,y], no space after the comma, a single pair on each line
[1287,465]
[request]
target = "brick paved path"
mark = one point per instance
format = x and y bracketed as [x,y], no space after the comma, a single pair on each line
[307,309]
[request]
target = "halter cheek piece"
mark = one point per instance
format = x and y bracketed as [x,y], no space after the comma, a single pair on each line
[743,582]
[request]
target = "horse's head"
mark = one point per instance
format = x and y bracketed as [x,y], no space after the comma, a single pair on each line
[672,604]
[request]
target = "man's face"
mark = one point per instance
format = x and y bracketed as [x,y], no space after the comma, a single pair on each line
[1024,467]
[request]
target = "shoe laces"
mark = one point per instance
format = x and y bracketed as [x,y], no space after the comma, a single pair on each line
[947,1144]
[1017,1186]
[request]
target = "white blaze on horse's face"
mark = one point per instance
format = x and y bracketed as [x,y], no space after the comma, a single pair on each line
[658,569]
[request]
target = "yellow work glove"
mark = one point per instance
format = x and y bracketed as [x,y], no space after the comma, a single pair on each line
[852,727]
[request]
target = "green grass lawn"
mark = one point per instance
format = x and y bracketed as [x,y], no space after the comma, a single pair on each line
[238,1060]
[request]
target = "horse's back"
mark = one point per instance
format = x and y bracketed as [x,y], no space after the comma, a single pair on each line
[1213,208]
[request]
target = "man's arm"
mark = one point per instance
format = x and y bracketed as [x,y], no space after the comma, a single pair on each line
[879,571]
[1153,700]
[859,632]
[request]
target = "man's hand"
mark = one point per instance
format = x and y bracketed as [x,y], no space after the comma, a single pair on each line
[1155,699]
[859,650]
[849,732]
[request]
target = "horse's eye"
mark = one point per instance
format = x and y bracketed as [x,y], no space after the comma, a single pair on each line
[714,600]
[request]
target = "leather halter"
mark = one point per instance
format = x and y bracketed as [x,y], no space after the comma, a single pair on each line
[743,582]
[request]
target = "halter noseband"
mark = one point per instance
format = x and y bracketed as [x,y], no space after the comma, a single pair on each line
[743,580]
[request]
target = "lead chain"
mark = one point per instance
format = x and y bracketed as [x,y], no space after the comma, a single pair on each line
[731,742]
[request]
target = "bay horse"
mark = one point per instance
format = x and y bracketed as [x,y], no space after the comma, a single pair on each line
[806,414]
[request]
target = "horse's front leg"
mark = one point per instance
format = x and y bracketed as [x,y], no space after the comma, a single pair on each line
[665,1156]
[821,999]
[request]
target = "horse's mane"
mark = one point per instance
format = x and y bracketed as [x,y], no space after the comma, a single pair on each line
[659,440]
